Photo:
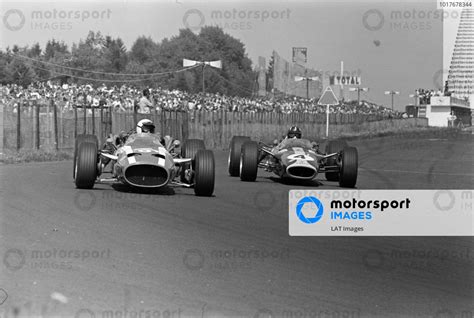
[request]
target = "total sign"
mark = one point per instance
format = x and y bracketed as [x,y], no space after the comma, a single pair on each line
[344,80]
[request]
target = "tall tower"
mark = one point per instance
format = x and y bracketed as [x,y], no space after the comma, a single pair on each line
[461,69]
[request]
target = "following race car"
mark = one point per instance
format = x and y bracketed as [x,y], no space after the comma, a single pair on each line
[144,160]
[293,158]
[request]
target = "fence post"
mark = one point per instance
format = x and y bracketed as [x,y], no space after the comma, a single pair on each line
[18,125]
[135,111]
[185,132]
[84,109]
[2,109]
[102,132]
[110,120]
[93,119]
[37,119]
[75,121]
[84,129]
[55,119]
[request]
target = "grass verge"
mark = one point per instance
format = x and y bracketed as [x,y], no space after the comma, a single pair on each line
[28,155]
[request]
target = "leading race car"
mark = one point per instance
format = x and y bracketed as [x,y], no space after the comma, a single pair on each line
[145,161]
[293,158]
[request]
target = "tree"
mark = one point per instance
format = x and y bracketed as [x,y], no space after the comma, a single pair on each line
[20,73]
[269,77]
[115,55]
[96,53]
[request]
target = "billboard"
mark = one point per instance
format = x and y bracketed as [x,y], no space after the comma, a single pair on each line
[344,80]
[300,55]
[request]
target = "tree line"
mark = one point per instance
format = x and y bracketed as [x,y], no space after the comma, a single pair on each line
[88,60]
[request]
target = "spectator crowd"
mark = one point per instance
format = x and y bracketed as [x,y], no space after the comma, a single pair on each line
[126,98]
[424,95]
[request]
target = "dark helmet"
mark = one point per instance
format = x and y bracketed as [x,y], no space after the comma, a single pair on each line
[145,126]
[146,92]
[294,132]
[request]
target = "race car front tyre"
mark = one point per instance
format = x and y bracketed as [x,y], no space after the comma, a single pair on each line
[189,150]
[80,139]
[332,147]
[249,161]
[204,173]
[349,166]
[86,165]
[233,161]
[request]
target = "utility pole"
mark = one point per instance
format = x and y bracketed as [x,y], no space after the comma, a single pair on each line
[203,88]
[307,79]
[416,96]
[342,85]
[358,89]
[189,63]
[392,93]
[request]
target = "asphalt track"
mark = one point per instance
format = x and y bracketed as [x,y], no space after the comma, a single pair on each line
[172,254]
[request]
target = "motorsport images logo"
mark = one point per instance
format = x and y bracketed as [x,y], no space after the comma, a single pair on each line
[313,206]
[51,18]
[380,212]
[232,19]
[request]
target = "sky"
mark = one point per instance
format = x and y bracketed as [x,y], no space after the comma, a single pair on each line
[397,46]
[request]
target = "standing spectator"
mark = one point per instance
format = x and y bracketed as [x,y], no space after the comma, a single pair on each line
[451,119]
[144,104]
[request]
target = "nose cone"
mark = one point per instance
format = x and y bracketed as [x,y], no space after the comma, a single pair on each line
[301,170]
[146,175]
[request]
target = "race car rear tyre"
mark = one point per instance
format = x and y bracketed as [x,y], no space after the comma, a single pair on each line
[332,147]
[204,173]
[86,165]
[233,161]
[79,139]
[189,150]
[349,166]
[249,161]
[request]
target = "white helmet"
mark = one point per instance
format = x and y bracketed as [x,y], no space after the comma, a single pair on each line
[145,126]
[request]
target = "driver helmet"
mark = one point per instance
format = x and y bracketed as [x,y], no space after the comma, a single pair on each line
[294,132]
[145,126]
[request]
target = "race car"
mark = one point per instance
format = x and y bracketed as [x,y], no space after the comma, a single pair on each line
[145,161]
[294,159]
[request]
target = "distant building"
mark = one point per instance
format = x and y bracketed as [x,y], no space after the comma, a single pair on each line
[461,70]
[441,108]
[287,78]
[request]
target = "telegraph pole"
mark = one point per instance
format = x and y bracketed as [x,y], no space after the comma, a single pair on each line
[392,93]
[358,89]
[203,88]
[415,96]
[307,79]
[342,85]
[189,63]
